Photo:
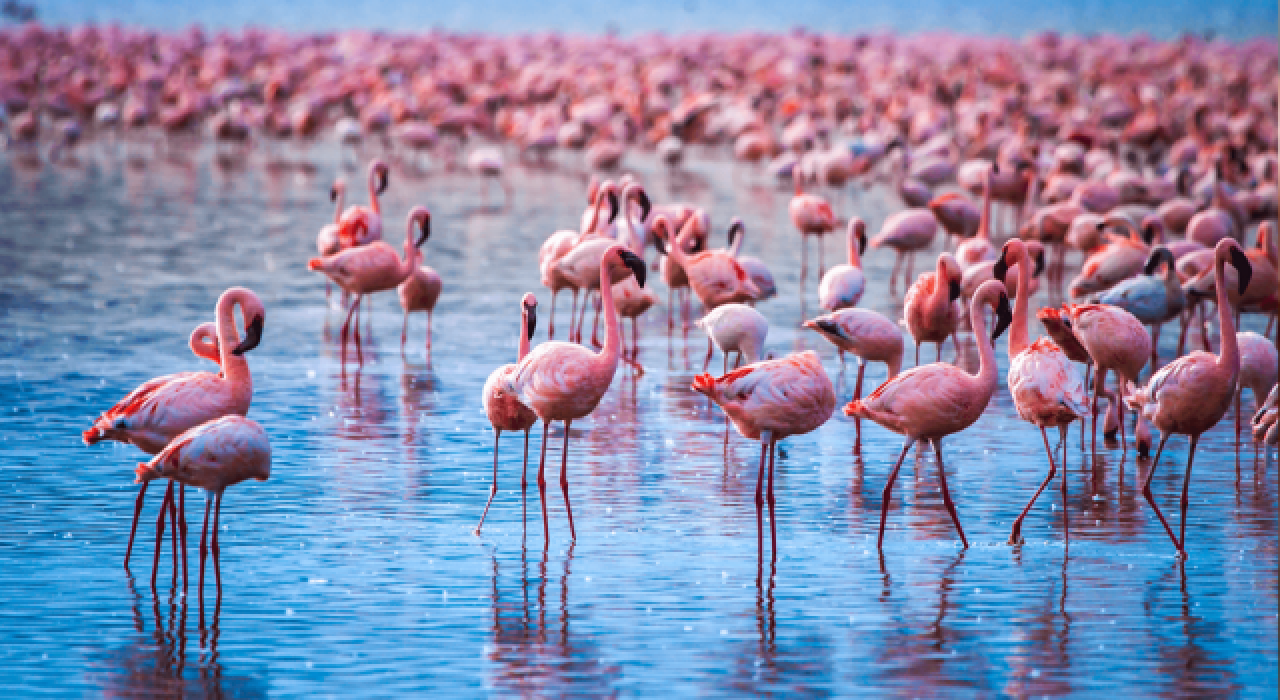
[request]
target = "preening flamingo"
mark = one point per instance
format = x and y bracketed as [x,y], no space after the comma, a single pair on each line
[842,285]
[212,456]
[360,225]
[869,336]
[1118,260]
[504,409]
[161,409]
[933,401]
[1047,391]
[1192,393]
[929,310]
[735,328]
[565,381]
[1117,341]
[906,232]
[419,292]
[375,267]
[769,401]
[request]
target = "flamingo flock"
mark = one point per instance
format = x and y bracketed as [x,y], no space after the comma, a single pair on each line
[1153,163]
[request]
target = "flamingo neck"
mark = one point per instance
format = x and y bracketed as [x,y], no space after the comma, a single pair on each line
[1033,191]
[235,367]
[373,193]
[984,220]
[1020,333]
[337,211]
[523,348]
[612,329]
[601,196]
[986,349]
[1229,354]
[737,243]
[855,260]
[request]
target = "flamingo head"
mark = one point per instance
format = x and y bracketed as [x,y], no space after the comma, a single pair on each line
[422,218]
[379,173]
[950,271]
[661,229]
[1158,255]
[339,187]
[530,306]
[1240,261]
[858,228]
[736,228]
[1004,316]
[635,263]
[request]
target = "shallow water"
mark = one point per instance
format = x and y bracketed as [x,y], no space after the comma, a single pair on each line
[354,570]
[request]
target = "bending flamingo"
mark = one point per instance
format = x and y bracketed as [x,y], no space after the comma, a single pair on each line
[735,328]
[565,381]
[869,336]
[812,216]
[504,409]
[906,232]
[1192,393]
[934,401]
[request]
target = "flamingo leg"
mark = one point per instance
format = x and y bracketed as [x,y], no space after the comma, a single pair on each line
[204,537]
[946,493]
[911,266]
[710,350]
[765,439]
[346,326]
[542,481]
[429,314]
[724,366]
[893,276]
[1146,490]
[1155,347]
[133,530]
[1098,379]
[595,324]
[1186,486]
[404,332]
[582,317]
[182,525]
[822,255]
[888,490]
[155,560]
[857,394]
[1184,321]
[214,548]
[573,314]
[359,361]
[174,534]
[524,470]
[773,513]
[1016,536]
[1066,524]
[551,328]
[671,311]
[635,340]
[493,490]
[917,353]
[564,479]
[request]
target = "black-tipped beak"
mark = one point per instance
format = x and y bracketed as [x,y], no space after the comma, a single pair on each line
[645,205]
[636,263]
[995,168]
[252,336]
[1153,260]
[531,317]
[333,194]
[1244,269]
[660,243]
[426,231]
[383,179]
[1004,316]
[827,326]
[1148,234]
[736,228]
[1039,264]
[954,289]
[613,207]
[1000,269]
[862,243]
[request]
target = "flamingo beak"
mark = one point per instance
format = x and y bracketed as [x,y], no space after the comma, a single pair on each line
[426,231]
[1148,233]
[659,240]
[1153,262]
[1004,316]
[862,242]
[613,207]
[636,263]
[1039,264]
[531,311]
[252,336]
[1240,262]
[645,205]
[383,179]
[954,289]
[735,230]
[827,326]
[333,194]
[1001,268]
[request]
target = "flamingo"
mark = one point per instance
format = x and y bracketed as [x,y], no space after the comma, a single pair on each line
[979,249]
[631,231]
[770,401]
[714,275]
[211,456]
[842,285]
[504,409]
[375,267]
[1118,260]
[1117,341]
[580,267]
[907,231]
[562,242]
[1266,426]
[419,292]
[933,401]
[1259,365]
[487,163]
[868,336]
[632,301]
[930,311]
[1046,389]
[735,328]
[759,272]
[161,409]
[361,225]
[1152,300]
[812,216]
[565,381]
[975,275]
[1192,393]
[328,240]
[956,214]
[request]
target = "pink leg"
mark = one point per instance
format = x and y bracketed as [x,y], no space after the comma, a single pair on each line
[1146,491]
[173,531]
[217,551]
[359,361]
[524,470]
[773,512]
[764,453]
[542,481]
[888,490]
[493,490]
[204,539]
[164,506]
[707,363]
[182,529]
[404,332]
[595,327]
[857,394]
[346,326]
[946,493]
[551,326]
[564,479]
[1186,485]
[1016,536]
[1066,524]
[133,530]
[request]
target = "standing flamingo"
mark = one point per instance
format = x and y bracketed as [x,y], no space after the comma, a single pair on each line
[161,409]
[565,381]
[212,456]
[769,401]
[1259,366]
[560,243]
[735,328]
[375,267]
[419,292]
[1116,340]
[1046,389]
[756,269]
[328,240]
[842,285]
[812,216]
[504,409]
[906,232]
[869,336]
[937,400]
[1192,393]
[714,275]
[363,225]
[979,248]
[930,310]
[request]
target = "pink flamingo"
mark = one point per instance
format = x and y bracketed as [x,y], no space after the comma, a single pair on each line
[930,310]
[735,328]
[565,381]
[419,292]
[907,231]
[329,241]
[560,243]
[363,225]
[504,409]
[1191,394]
[1259,365]
[769,401]
[163,408]
[956,214]
[1046,389]
[1266,422]
[212,456]
[375,267]
[868,336]
[812,216]
[979,249]
[1118,260]
[933,401]
[581,265]
[842,285]
[1117,341]
[714,275]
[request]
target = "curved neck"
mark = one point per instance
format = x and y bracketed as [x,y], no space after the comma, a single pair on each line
[373,192]
[1019,333]
[1229,355]
[852,245]
[941,286]
[985,219]
[613,333]
[986,348]
[409,260]
[523,348]
[337,210]
[601,197]
[236,367]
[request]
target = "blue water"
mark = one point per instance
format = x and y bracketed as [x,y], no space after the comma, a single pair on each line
[354,570]
[1235,19]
